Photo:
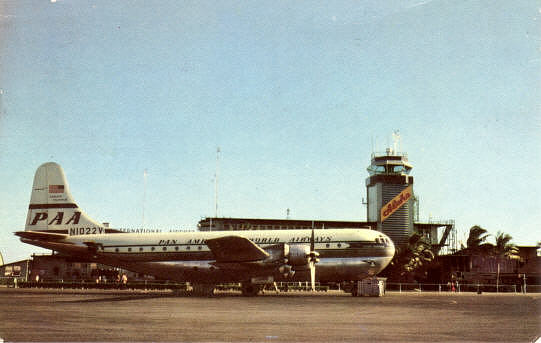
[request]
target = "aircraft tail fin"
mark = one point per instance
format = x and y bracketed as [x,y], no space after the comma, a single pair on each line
[52,207]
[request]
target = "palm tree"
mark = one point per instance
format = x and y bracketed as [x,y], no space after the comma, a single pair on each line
[418,253]
[504,247]
[476,243]
[477,236]
[410,259]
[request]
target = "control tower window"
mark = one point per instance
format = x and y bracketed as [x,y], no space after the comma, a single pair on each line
[373,170]
[399,169]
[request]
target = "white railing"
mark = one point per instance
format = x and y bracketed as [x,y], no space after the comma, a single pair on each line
[462,288]
[290,286]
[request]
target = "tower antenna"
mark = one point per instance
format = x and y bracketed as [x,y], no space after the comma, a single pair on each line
[216,183]
[396,141]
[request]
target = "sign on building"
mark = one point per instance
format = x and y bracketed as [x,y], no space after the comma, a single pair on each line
[397,202]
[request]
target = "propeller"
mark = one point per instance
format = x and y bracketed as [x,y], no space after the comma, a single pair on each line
[312,260]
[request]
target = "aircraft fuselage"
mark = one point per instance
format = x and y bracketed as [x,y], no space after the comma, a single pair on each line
[344,254]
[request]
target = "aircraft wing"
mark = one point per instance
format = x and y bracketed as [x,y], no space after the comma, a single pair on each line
[235,249]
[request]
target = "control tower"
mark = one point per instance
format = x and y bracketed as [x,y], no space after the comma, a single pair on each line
[389,190]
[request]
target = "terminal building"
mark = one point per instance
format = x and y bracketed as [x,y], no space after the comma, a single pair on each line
[392,208]
[234,224]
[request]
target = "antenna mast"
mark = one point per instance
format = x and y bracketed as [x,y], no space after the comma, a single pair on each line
[396,141]
[216,183]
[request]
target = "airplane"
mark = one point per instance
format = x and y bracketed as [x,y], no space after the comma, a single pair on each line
[204,259]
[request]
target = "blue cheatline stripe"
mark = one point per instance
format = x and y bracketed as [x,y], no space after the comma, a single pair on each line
[46,206]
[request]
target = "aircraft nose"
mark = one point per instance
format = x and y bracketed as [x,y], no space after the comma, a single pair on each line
[388,253]
[390,249]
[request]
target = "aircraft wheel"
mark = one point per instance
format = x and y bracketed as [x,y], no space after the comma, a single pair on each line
[249,289]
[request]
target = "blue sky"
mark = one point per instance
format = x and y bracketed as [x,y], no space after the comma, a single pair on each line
[296,95]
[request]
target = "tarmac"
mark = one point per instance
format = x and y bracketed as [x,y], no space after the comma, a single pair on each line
[33,315]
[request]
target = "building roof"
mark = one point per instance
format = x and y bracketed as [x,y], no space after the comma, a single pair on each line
[284,221]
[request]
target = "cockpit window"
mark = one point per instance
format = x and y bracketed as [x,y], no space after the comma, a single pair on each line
[382,240]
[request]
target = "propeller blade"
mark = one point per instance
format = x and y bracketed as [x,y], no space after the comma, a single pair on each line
[313,259]
[312,239]
[313,276]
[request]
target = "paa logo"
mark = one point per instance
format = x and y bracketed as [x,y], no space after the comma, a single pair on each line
[57,220]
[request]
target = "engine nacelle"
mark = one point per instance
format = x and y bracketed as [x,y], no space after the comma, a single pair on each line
[291,258]
[298,255]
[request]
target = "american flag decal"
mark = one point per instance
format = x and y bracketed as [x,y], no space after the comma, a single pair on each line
[56,188]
